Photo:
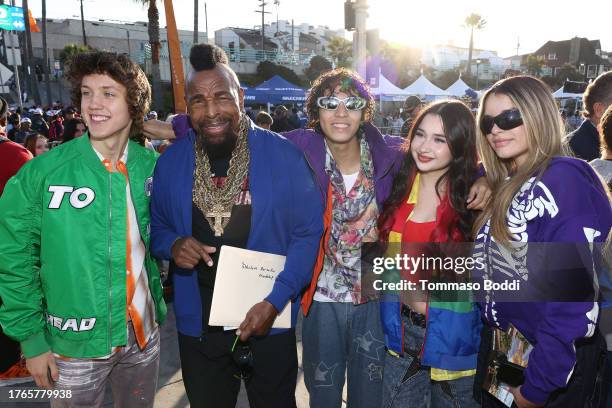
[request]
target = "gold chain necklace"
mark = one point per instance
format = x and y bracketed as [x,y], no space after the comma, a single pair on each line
[216,202]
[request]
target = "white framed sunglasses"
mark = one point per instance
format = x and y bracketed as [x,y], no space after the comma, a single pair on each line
[352,103]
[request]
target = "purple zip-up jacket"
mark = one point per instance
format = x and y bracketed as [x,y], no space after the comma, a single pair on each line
[568,205]
[385,151]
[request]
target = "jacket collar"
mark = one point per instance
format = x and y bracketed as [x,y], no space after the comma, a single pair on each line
[91,157]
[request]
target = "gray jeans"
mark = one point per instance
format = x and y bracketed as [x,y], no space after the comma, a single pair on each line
[132,374]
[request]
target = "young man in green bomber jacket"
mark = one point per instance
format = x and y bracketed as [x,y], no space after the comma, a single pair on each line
[79,288]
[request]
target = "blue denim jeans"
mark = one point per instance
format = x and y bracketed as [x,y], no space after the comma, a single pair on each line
[408,384]
[341,340]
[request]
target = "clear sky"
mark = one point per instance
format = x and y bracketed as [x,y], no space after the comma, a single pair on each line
[416,23]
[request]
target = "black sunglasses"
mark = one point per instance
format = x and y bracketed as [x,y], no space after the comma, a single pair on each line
[508,119]
[243,358]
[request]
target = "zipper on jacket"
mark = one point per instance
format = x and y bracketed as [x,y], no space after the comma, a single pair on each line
[110,261]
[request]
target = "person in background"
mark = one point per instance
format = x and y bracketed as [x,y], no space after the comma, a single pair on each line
[12,157]
[56,127]
[69,113]
[584,141]
[73,128]
[36,143]
[152,115]
[281,120]
[264,120]
[25,128]
[14,121]
[412,106]
[39,124]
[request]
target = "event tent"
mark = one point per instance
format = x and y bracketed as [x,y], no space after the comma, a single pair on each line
[423,87]
[275,90]
[387,91]
[458,89]
[559,94]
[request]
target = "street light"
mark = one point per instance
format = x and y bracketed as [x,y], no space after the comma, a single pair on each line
[583,69]
[477,66]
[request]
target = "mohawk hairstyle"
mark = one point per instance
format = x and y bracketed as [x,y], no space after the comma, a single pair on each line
[204,57]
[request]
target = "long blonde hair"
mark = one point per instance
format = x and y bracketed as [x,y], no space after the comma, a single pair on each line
[544,130]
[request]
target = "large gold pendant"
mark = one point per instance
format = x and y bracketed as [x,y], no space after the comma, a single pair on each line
[215,218]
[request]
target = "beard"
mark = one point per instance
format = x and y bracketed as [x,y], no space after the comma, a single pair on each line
[217,146]
[224,149]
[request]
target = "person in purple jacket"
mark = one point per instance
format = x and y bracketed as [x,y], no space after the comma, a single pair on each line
[541,197]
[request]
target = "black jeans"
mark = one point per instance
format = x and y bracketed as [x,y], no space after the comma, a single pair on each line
[212,379]
[586,388]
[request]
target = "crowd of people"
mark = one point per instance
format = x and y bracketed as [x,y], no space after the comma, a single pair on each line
[85,224]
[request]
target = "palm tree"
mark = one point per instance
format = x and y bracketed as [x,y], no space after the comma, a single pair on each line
[153,28]
[473,21]
[83,25]
[341,50]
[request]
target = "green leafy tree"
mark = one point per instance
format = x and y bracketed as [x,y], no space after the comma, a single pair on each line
[341,50]
[534,65]
[473,22]
[267,69]
[446,78]
[71,50]
[316,67]
[569,72]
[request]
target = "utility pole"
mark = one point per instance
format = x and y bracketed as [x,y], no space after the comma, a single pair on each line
[33,80]
[359,37]
[518,44]
[292,36]
[45,53]
[206,21]
[263,12]
[16,71]
[277,4]
[83,25]
[195,21]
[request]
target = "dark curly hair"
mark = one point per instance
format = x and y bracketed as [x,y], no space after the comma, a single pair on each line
[460,131]
[121,69]
[349,81]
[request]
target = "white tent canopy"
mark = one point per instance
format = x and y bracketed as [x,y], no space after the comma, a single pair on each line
[458,88]
[559,94]
[422,86]
[386,87]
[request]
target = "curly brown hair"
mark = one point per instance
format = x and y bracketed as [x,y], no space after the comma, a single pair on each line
[121,69]
[605,130]
[349,81]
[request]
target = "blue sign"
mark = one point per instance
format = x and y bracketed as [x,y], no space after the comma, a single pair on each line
[11,18]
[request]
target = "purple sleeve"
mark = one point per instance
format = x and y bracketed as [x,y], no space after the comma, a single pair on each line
[584,217]
[552,360]
[181,126]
